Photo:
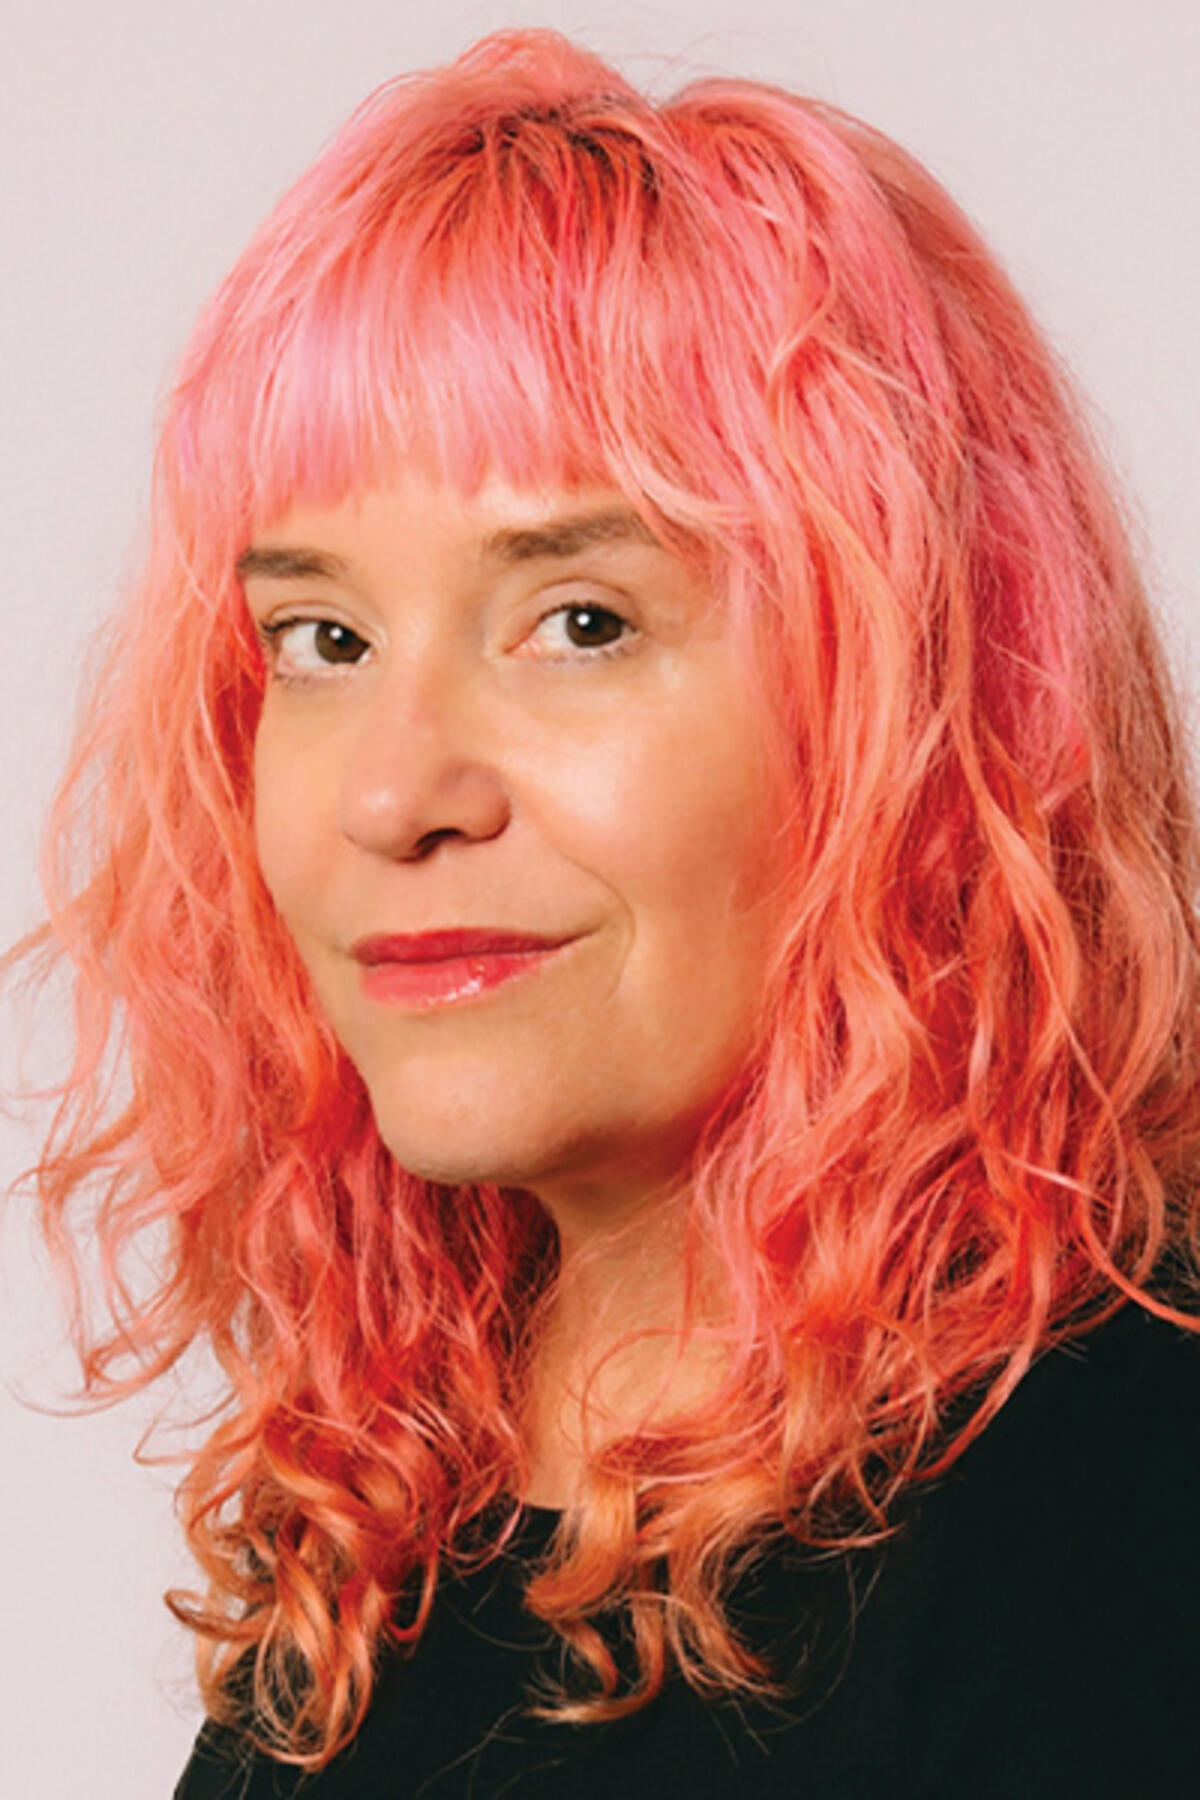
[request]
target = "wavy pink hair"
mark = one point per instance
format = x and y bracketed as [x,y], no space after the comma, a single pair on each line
[972,1124]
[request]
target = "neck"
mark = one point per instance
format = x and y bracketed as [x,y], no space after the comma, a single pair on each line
[608,1361]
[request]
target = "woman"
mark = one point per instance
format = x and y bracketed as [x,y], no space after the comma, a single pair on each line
[637,835]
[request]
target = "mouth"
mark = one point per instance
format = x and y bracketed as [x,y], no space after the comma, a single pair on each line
[432,969]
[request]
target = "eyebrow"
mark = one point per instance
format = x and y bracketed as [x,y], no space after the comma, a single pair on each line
[567,536]
[561,537]
[289,565]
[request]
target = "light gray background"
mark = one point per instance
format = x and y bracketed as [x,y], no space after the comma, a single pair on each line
[141,141]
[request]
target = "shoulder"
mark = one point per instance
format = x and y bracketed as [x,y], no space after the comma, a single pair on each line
[1102,1434]
[1044,1597]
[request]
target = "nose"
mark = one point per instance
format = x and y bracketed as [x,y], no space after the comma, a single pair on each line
[419,773]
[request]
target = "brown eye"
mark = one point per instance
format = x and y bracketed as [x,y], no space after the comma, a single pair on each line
[592,627]
[298,649]
[580,632]
[336,643]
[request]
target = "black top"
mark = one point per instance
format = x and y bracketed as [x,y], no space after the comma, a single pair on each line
[1033,1631]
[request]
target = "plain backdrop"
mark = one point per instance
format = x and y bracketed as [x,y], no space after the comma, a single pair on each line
[140,142]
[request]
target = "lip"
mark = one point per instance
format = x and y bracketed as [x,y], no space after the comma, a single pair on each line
[429,969]
[449,946]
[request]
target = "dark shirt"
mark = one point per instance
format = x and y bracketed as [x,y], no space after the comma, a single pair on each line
[1033,1630]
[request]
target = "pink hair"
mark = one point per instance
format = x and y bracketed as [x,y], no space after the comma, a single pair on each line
[973,1121]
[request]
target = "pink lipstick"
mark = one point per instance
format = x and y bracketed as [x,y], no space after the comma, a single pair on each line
[438,968]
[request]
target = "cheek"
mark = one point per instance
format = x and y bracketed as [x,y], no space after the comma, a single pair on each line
[707,816]
[677,818]
[270,808]
[290,835]
[660,795]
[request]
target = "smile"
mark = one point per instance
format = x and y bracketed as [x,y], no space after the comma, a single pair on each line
[437,970]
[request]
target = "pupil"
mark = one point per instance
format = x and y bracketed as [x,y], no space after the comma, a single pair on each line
[589,625]
[336,643]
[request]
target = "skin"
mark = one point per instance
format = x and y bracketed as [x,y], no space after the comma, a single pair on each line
[472,755]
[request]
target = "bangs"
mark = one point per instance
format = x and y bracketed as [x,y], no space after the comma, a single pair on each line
[521,300]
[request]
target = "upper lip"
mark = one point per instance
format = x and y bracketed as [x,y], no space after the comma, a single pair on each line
[445,946]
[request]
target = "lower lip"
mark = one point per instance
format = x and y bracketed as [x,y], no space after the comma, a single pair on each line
[452,981]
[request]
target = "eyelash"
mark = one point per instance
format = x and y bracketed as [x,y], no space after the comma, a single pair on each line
[270,636]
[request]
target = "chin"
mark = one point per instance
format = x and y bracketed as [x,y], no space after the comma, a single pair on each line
[464,1154]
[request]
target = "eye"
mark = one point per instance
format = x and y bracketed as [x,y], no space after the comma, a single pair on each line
[298,647]
[582,626]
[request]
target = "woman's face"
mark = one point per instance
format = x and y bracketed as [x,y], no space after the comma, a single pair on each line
[515,714]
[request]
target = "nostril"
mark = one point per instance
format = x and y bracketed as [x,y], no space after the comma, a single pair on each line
[430,841]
